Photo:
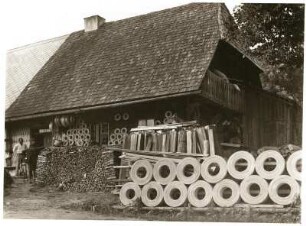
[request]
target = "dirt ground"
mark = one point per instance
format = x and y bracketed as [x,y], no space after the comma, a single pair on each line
[27,201]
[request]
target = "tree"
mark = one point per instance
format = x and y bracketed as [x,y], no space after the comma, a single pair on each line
[274,34]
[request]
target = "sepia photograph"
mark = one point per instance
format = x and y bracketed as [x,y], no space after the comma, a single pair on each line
[169,111]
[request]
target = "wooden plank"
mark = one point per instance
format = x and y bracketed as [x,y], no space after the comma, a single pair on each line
[216,209]
[133,141]
[135,157]
[120,180]
[159,127]
[232,145]
[159,137]
[115,192]
[149,143]
[258,206]
[211,142]
[139,140]
[152,153]
[164,139]
[181,144]
[154,142]
[164,127]
[173,139]
[194,142]
[200,139]
[167,147]
[189,142]
[121,167]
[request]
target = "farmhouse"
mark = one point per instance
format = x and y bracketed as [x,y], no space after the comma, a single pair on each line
[121,74]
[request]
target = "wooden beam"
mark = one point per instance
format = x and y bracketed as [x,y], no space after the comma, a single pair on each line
[152,153]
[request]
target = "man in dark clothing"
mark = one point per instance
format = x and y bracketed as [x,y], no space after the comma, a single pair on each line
[31,156]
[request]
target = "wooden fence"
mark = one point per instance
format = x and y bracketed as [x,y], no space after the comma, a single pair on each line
[221,92]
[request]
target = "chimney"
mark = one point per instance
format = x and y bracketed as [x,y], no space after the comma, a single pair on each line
[92,23]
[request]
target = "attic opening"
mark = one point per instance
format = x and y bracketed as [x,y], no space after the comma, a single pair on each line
[234,67]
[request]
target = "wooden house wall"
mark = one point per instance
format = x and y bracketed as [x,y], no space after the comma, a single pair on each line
[270,120]
[20,132]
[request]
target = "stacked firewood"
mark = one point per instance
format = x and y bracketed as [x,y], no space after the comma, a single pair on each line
[43,166]
[78,169]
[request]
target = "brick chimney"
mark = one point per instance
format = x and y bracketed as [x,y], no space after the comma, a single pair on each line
[92,23]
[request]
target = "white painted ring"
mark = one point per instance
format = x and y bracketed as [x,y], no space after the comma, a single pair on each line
[182,169]
[169,192]
[124,130]
[260,162]
[117,130]
[117,117]
[193,191]
[276,183]
[135,172]
[219,190]
[234,158]
[146,192]
[206,165]
[292,165]
[168,114]
[125,116]
[245,190]
[129,193]
[164,164]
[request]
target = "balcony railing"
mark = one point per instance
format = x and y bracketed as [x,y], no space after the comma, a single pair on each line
[221,92]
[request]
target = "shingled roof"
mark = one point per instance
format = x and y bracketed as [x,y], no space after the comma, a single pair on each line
[24,62]
[158,54]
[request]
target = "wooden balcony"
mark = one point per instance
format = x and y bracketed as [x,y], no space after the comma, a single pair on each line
[220,91]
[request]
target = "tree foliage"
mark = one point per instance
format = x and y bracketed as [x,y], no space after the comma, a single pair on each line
[274,34]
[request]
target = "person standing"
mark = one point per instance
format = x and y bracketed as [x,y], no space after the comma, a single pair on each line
[18,154]
[32,155]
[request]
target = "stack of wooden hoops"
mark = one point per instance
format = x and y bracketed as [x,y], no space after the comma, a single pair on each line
[266,179]
[78,136]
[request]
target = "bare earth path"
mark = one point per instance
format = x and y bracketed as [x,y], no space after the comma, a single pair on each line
[24,201]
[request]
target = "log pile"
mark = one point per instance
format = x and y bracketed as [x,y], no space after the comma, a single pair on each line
[269,179]
[43,166]
[78,169]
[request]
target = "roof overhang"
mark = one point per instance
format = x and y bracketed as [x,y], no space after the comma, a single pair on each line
[245,55]
[97,107]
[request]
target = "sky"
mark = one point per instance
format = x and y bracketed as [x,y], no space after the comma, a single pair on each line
[29,21]
[35,20]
